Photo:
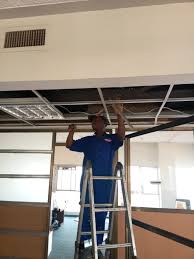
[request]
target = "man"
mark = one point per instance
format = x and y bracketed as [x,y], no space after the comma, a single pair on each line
[100,150]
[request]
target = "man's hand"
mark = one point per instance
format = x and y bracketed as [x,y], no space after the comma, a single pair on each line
[71,128]
[118,108]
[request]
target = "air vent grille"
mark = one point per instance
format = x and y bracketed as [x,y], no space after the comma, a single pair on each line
[27,38]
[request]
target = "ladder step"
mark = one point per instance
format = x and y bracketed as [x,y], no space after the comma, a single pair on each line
[100,205]
[111,209]
[106,178]
[111,246]
[97,232]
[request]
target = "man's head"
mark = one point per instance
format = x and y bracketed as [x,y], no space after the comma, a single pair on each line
[99,123]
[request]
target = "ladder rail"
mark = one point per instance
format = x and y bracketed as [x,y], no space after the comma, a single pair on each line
[131,237]
[92,216]
[115,196]
[112,216]
[81,214]
[108,207]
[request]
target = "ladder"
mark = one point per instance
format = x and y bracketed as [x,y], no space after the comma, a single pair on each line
[112,208]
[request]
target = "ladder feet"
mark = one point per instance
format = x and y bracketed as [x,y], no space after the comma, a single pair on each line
[87,253]
[79,248]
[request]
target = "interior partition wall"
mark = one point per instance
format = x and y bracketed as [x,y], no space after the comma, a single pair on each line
[26,165]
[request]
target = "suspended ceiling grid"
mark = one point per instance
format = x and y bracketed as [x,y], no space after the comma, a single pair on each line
[55,109]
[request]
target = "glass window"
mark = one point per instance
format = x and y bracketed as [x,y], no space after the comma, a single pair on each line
[148,176]
[26,141]
[69,178]
[17,163]
[162,169]
[184,185]
[24,190]
[145,192]
[67,196]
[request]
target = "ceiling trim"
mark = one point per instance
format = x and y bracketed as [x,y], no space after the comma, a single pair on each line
[99,82]
[80,6]
[80,128]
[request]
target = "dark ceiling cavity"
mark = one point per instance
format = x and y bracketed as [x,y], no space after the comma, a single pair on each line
[57,108]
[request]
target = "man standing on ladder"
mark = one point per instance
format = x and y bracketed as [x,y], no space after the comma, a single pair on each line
[100,150]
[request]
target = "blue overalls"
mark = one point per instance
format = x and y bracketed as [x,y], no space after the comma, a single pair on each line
[100,151]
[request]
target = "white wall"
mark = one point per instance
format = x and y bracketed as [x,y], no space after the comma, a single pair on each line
[144,154]
[127,46]
[63,156]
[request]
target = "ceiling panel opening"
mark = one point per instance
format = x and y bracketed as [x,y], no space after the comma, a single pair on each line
[59,108]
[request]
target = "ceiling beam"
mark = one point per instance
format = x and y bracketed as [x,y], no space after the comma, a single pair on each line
[20,101]
[127,101]
[81,117]
[34,101]
[164,126]
[104,105]
[163,103]
[80,128]
[110,82]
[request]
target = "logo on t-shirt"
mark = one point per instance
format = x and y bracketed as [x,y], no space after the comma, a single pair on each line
[108,140]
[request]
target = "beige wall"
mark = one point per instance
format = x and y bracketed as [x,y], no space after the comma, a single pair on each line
[125,45]
[21,231]
[152,246]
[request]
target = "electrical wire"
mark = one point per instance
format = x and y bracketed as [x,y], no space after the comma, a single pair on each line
[128,110]
[79,112]
[147,112]
[140,112]
[177,111]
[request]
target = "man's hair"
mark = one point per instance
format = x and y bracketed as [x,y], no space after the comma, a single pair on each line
[92,117]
